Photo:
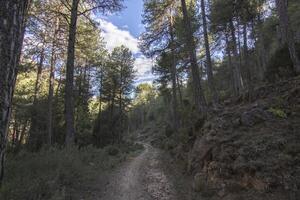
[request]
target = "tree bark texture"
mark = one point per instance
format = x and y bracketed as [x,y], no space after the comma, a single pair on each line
[12,26]
[173,76]
[236,64]
[51,83]
[287,35]
[211,84]
[69,96]
[199,98]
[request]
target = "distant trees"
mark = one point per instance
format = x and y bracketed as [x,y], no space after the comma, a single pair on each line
[46,42]
[143,109]
[94,5]
[230,50]
[159,37]
[116,88]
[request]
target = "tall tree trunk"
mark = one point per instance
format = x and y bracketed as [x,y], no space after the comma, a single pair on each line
[22,135]
[51,84]
[239,50]
[179,90]
[199,98]
[38,75]
[15,135]
[173,76]
[246,62]
[211,84]
[237,67]
[230,65]
[111,117]
[287,34]
[12,26]
[98,123]
[120,105]
[260,51]
[58,88]
[69,97]
[34,132]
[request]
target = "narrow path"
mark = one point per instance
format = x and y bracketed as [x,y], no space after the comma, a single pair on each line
[142,178]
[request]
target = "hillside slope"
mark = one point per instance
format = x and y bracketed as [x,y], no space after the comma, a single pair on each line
[247,150]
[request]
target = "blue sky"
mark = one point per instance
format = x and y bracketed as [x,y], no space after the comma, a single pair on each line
[124,28]
[130,18]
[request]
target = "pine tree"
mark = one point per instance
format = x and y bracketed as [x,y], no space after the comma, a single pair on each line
[13,17]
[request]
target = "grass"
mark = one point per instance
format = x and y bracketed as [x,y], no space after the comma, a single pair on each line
[57,173]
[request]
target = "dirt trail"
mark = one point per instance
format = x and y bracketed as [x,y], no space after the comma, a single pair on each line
[142,178]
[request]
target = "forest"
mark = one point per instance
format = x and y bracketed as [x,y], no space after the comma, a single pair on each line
[219,119]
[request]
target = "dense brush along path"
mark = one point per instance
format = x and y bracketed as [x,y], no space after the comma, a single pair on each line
[148,176]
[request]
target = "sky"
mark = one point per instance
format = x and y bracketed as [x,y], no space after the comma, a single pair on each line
[124,28]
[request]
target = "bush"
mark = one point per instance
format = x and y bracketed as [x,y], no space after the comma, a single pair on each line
[53,173]
[112,150]
[129,147]
[278,112]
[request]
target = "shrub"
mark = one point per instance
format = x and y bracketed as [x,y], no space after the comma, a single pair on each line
[112,150]
[278,112]
[53,173]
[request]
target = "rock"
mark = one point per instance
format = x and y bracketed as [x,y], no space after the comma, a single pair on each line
[254,116]
[201,152]
[221,193]
[236,122]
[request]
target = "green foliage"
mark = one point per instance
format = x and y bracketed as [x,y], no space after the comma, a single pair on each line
[278,112]
[145,93]
[117,85]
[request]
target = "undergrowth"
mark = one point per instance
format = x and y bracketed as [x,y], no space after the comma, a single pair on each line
[55,173]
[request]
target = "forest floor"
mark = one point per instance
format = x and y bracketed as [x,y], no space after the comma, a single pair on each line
[150,175]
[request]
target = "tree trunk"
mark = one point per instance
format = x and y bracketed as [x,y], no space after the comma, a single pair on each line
[69,98]
[12,26]
[230,65]
[260,52]
[51,84]
[173,77]
[211,84]
[121,105]
[179,90]
[16,133]
[287,34]
[246,62]
[237,67]
[34,132]
[111,117]
[199,98]
[38,75]
[22,135]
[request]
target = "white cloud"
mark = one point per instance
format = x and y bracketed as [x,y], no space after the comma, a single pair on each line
[114,37]
[143,65]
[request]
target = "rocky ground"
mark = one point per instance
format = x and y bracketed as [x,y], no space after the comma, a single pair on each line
[248,149]
[144,177]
